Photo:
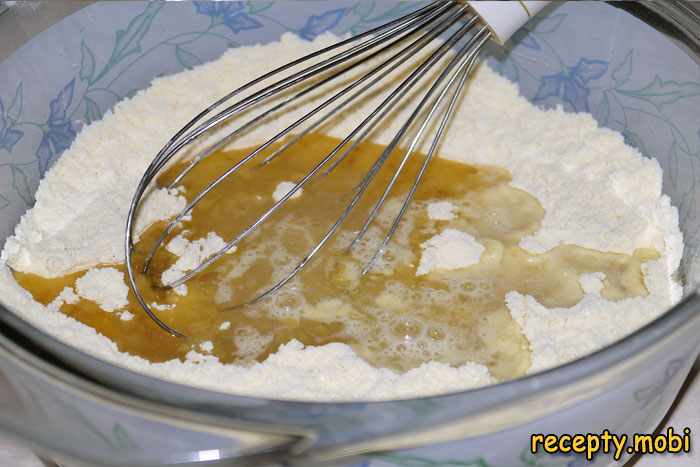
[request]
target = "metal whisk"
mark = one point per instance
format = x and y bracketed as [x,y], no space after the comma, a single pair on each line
[442,25]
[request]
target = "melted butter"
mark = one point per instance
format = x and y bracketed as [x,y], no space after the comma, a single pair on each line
[391,317]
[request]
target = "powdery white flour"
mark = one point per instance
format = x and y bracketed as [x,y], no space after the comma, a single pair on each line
[617,205]
[441,211]
[283,188]
[450,249]
[190,255]
[104,286]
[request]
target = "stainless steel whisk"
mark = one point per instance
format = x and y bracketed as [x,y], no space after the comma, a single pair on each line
[443,24]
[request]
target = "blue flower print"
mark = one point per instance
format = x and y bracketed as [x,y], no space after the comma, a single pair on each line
[231,14]
[59,133]
[8,135]
[218,9]
[317,25]
[572,84]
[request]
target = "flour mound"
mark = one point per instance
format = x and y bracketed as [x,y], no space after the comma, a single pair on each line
[67,295]
[104,286]
[283,188]
[441,211]
[617,205]
[191,254]
[450,249]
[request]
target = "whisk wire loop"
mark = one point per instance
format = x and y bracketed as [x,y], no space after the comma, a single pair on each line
[289,82]
[411,34]
[402,131]
[408,25]
[375,34]
[463,58]
[392,100]
[465,70]
[186,135]
[430,35]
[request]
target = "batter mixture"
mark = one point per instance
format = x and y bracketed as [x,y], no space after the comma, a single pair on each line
[499,268]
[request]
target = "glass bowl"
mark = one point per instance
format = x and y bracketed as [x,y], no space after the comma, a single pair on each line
[82,411]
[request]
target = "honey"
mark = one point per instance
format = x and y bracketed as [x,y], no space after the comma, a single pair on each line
[391,316]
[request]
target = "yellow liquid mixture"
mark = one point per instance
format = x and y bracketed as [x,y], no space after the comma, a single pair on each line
[391,317]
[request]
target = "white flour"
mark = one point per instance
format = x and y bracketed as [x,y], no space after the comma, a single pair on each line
[191,254]
[126,316]
[617,206]
[162,307]
[450,249]
[441,211]
[104,286]
[67,295]
[283,188]
[206,346]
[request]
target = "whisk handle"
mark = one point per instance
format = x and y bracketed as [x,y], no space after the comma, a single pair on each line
[505,18]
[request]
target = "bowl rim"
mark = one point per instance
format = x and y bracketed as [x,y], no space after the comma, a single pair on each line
[683,315]
[296,440]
